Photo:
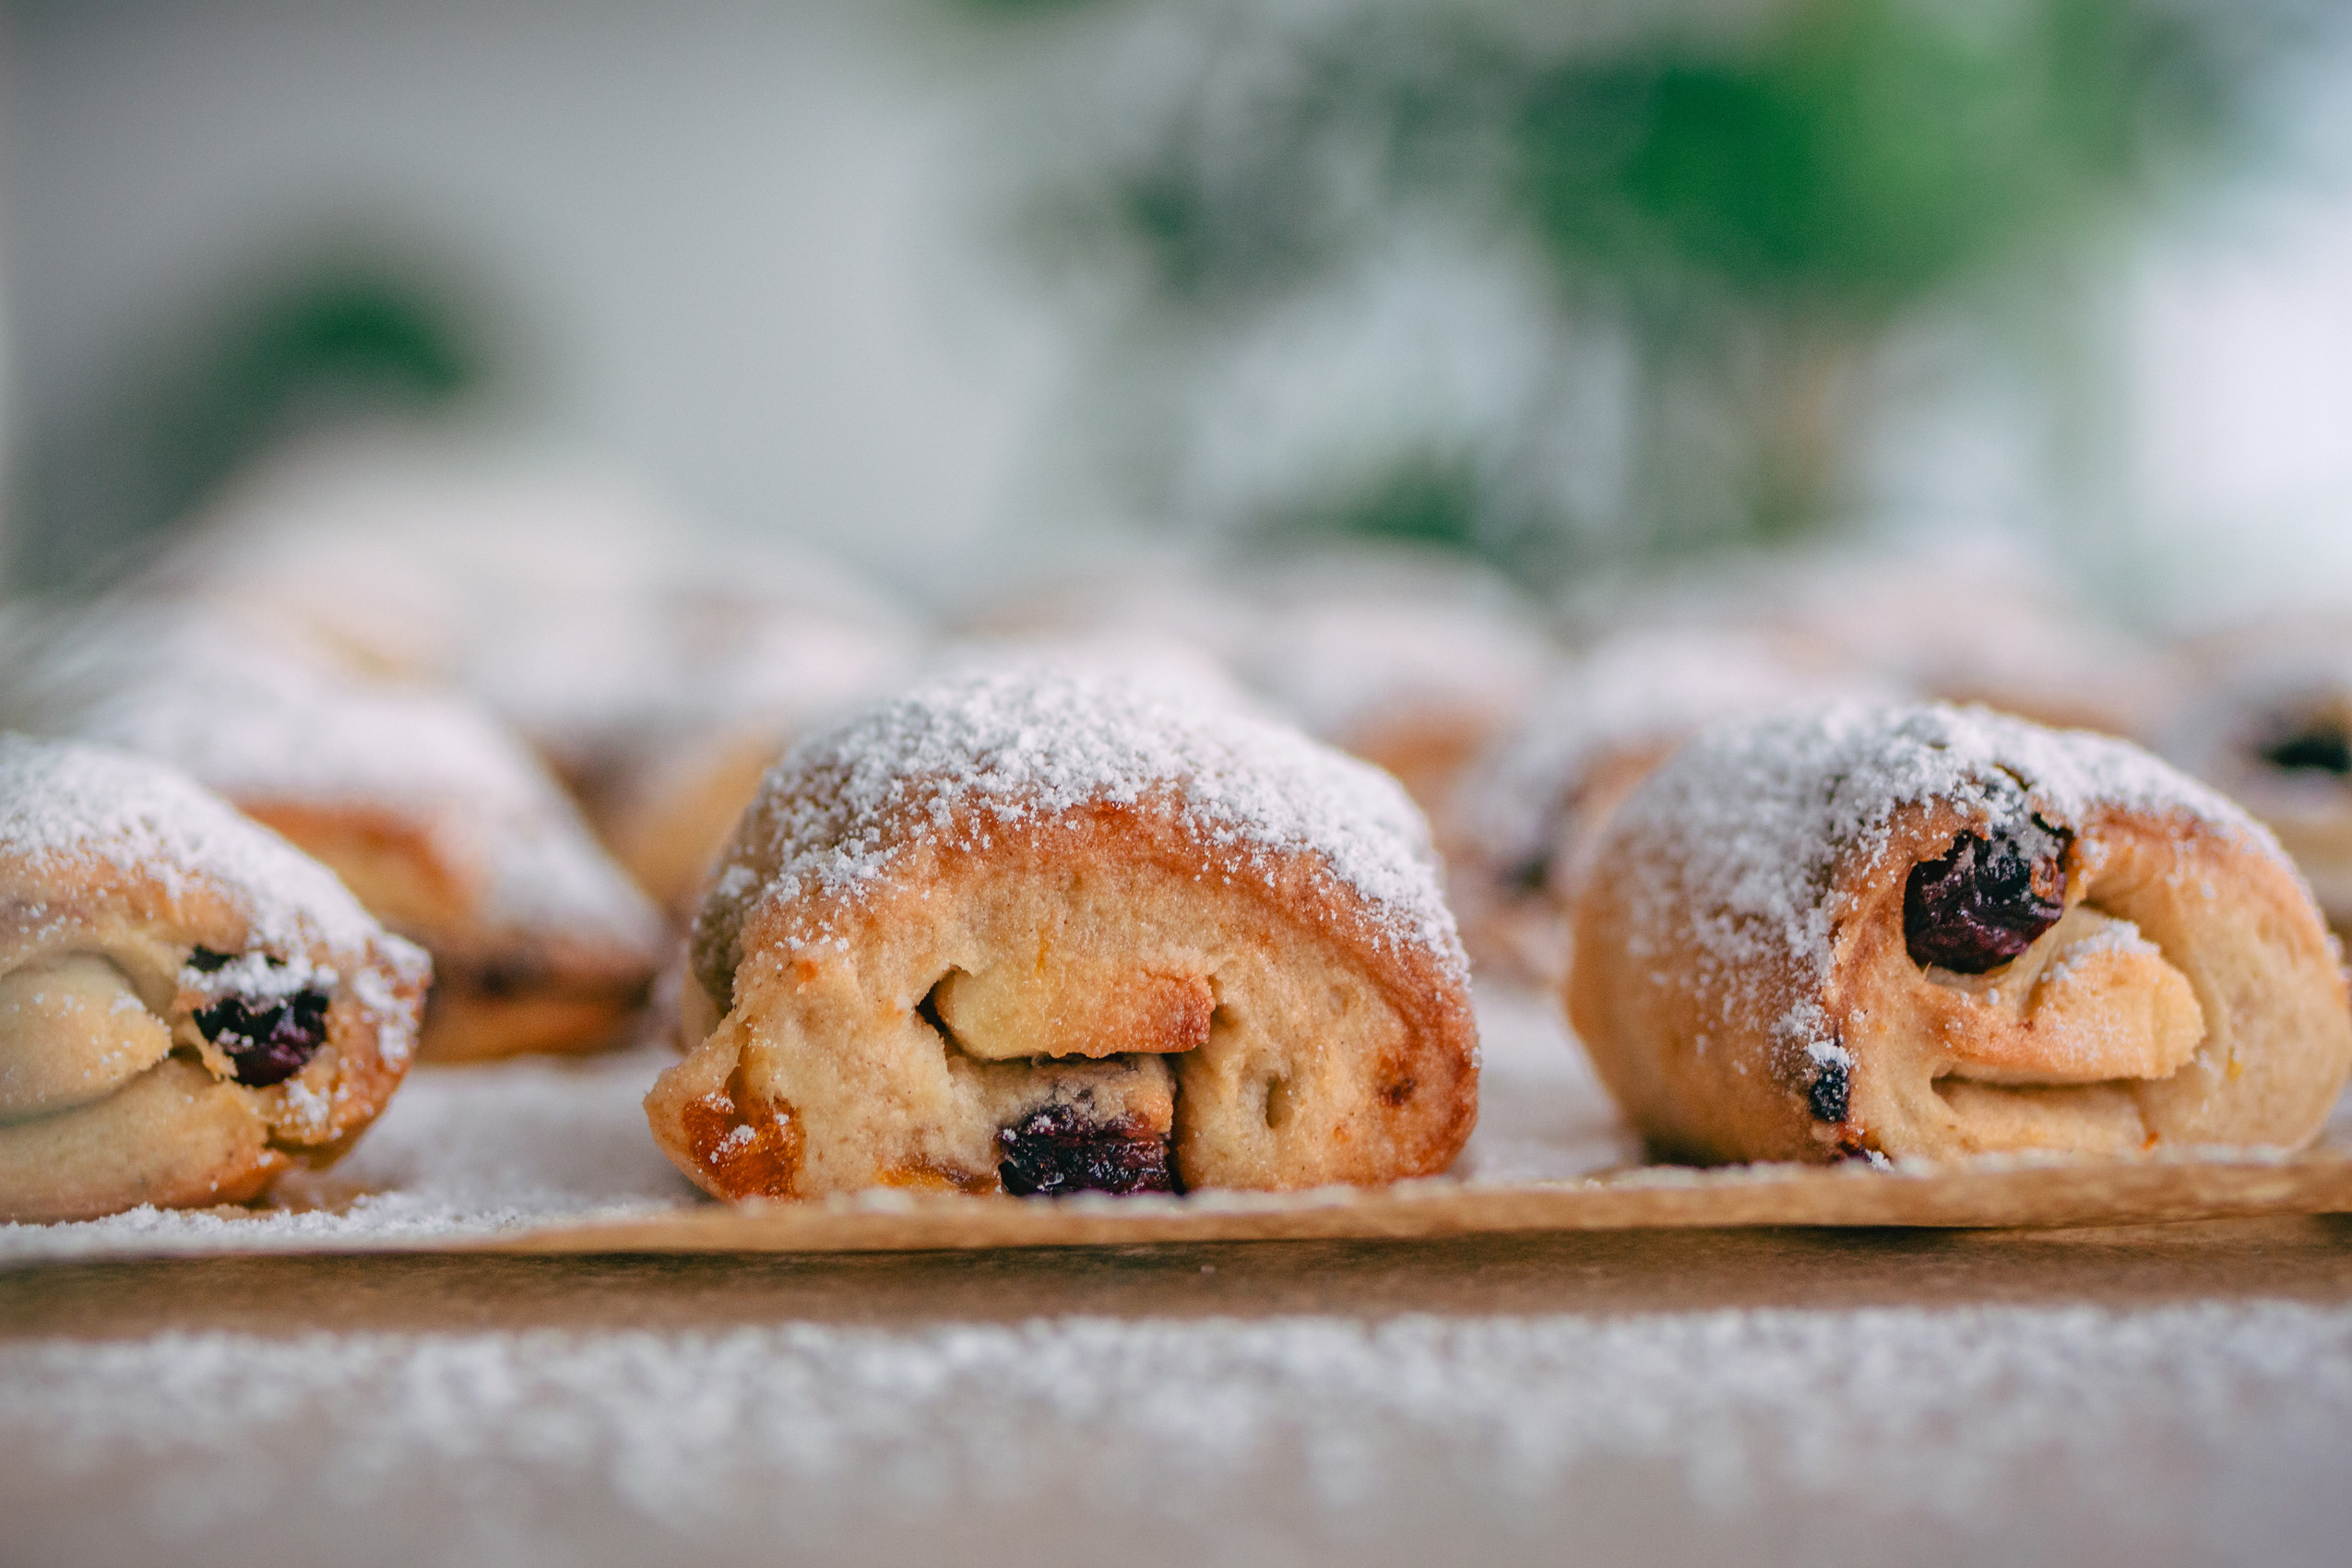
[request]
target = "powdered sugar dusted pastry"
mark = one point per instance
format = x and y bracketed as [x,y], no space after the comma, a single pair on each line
[440,822]
[1524,821]
[2270,724]
[1032,931]
[1936,932]
[188,1007]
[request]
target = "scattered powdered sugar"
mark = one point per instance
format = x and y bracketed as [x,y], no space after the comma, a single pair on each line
[1018,741]
[1635,692]
[2193,1432]
[1741,830]
[1543,1115]
[264,722]
[459,1152]
[2115,936]
[258,974]
[60,802]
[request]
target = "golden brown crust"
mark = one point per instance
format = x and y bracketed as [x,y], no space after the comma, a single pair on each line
[1332,1052]
[498,992]
[1427,748]
[392,861]
[468,1022]
[2182,938]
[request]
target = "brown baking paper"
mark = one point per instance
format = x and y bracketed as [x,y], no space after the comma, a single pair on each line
[1992,1194]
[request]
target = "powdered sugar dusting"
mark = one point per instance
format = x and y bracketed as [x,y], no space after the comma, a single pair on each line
[1741,830]
[2198,1432]
[263,723]
[60,802]
[459,1152]
[2114,936]
[1634,692]
[1021,740]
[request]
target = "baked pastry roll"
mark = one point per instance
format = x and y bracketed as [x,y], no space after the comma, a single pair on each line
[1030,931]
[1524,821]
[1934,932]
[188,1007]
[443,825]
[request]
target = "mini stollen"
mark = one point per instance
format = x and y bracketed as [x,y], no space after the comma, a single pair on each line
[188,1007]
[1027,930]
[445,826]
[1930,932]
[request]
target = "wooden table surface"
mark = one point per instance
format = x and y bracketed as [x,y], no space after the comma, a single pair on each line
[1607,1272]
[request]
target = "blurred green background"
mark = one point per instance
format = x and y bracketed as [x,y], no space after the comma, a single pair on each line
[1577,289]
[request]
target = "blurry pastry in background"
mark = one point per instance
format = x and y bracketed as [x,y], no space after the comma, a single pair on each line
[663,707]
[396,552]
[2267,721]
[442,824]
[189,1007]
[657,666]
[1414,664]
[1158,594]
[1964,621]
[1522,824]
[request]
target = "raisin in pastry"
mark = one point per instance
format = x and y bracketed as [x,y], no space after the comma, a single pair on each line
[444,825]
[1031,931]
[1936,932]
[188,1006]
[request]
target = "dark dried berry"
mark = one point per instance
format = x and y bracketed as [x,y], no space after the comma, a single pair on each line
[266,1042]
[2316,748]
[205,961]
[1530,875]
[1831,1087]
[1059,1149]
[1987,899]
